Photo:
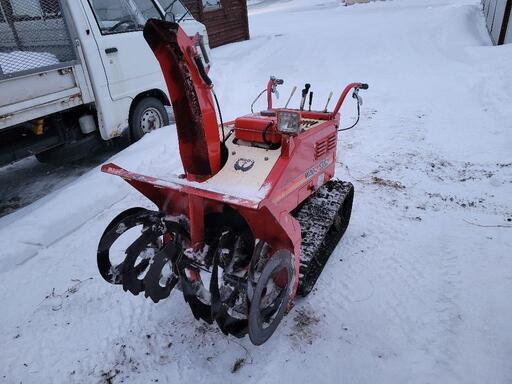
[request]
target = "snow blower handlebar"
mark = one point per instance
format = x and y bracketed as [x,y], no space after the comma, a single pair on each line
[356,87]
[272,88]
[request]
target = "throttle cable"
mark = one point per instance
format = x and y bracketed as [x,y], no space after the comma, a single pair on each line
[358,116]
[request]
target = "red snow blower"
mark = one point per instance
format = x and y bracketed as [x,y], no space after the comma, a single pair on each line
[256,215]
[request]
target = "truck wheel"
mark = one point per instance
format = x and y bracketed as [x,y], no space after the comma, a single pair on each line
[149,114]
[70,152]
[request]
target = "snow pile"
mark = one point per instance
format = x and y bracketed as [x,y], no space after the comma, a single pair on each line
[418,290]
[23,61]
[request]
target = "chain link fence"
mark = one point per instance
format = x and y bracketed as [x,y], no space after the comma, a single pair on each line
[34,36]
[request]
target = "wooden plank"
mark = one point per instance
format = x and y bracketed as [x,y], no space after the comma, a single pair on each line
[227,24]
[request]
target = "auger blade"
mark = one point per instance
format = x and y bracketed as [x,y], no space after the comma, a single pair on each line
[118,226]
[153,279]
[199,309]
[131,270]
[227,323]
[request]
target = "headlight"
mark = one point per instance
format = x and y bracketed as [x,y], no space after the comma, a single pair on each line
[288,122]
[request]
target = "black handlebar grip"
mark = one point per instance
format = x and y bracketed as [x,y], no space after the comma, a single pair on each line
[202,71]
[279,81]
[363,86]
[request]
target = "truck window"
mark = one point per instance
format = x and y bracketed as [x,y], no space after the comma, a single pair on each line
[117,16]
[211,5]
[176,8]
[148,9]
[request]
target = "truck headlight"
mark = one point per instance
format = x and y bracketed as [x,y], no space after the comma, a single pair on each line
[288,122]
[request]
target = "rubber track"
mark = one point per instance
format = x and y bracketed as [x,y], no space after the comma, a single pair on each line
[320,230]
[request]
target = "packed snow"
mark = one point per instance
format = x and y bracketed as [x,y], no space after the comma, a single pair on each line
[418,290]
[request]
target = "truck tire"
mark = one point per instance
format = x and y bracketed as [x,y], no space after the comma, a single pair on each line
[70,152]
[149,114]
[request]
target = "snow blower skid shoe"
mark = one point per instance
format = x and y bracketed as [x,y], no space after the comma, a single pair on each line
[256,215]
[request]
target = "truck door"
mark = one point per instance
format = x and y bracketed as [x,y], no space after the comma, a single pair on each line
[129,63]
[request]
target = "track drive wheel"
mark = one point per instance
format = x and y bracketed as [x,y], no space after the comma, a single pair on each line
[270,297]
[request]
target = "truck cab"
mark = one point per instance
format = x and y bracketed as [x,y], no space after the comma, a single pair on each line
[74,73]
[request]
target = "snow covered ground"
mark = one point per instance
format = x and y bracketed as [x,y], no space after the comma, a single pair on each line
[419,289]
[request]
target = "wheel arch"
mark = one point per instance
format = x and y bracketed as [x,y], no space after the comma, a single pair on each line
[156,93]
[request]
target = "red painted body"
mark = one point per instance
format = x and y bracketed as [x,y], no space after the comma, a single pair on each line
[306,161]
[191,98]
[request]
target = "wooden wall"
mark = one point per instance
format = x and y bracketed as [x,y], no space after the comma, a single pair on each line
[226,24]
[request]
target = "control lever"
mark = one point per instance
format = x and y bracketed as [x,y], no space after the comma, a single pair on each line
[328,101]
[355,95]
[202,71]
[275,82]
[305,92]
[291,95]
[310,100]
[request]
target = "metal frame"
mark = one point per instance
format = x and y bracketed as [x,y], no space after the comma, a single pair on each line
[61,65]
[505,24]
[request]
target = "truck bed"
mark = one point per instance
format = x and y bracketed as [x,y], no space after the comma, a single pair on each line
[39,94]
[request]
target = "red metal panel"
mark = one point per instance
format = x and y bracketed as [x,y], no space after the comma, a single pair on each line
[192,101]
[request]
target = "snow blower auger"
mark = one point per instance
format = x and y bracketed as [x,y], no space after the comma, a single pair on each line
[253,220]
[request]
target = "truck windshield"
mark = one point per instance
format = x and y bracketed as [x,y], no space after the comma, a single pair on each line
[176,8]
[115,16]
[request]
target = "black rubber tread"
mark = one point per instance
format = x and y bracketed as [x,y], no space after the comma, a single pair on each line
[323,218]
[138,111]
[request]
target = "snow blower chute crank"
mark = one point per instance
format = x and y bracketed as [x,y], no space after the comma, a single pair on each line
[254,219]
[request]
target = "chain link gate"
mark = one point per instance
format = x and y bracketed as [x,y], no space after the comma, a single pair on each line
[34,37]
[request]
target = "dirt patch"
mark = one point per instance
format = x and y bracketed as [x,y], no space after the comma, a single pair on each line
[239,363]
[108,377]
[387,183]
[304,327]
[457,201]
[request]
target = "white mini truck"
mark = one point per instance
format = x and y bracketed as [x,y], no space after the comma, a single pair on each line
[74,73]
